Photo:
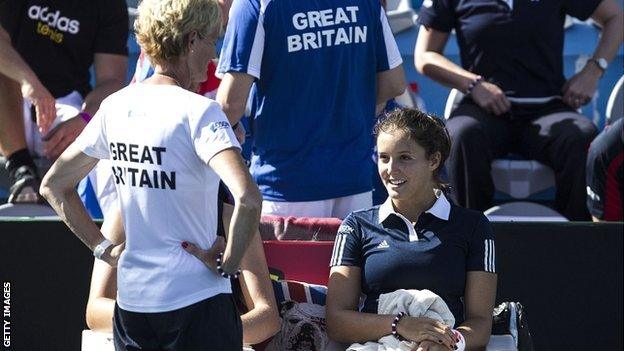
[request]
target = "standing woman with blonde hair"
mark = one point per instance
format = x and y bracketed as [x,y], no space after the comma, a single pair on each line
[168,147]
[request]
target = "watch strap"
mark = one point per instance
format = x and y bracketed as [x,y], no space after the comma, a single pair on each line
[101,248]
[600,63]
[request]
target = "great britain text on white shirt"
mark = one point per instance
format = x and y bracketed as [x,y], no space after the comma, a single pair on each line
[140,177]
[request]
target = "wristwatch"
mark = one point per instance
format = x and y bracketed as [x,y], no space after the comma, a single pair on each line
[600,62]
[100,248]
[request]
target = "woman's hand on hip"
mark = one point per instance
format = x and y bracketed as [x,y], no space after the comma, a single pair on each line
[208,257]
[112,254]
[420,329]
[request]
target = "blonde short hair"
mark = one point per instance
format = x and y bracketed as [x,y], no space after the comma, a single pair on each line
[163,26]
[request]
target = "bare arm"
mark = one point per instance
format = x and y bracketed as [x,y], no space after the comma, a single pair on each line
[13,66]
[581,87]
[390,84]
[228,164]
[261,320]
[103,291]
[346,324]
[430,61]
[110,75]
[259,323]
[479,298]
[233,94]
[59,188]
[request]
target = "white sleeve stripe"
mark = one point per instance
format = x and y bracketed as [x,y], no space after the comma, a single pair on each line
[341,240]
[485,256]
[493,257]
[392,50]
[341,252]
[335,251]
[257,49]
[491,254]
[489,258]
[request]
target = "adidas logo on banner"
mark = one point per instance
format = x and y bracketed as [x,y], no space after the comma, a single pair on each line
[383,245]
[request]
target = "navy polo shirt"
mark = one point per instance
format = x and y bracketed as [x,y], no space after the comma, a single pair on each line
[435,254]
[516,44]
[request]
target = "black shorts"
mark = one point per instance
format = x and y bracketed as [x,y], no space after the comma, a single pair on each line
[211,324]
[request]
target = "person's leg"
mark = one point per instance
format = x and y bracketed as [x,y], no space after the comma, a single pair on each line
[211,324]
[477,137]
[604,174]
[12,137]
[322,208]
[560,140]
[20,165]
[347,204]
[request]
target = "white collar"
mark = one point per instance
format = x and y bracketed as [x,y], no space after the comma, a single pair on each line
[441,208]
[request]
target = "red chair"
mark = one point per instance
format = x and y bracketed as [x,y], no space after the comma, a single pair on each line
[305,261]
[298,228]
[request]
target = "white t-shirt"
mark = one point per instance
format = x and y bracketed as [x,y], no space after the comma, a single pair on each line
[159,139]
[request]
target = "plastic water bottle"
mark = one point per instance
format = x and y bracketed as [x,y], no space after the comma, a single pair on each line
[418,100]
[410,98]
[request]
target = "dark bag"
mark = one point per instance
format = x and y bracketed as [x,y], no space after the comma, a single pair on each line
[510,318]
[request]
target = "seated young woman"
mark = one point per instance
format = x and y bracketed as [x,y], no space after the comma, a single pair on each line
[417,239]
[260,318]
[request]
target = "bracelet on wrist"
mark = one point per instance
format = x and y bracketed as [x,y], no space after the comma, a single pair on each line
[395,323]
[235,125]
[460,341]
[222,272]
[473,84]
[85,116]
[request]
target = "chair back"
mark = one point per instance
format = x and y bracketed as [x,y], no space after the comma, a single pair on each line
[523,211]
[615,104]
[454,98]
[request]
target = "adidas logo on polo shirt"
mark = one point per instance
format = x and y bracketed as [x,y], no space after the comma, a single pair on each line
[383,245]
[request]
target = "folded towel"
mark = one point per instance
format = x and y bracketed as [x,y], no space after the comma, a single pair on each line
[416,303]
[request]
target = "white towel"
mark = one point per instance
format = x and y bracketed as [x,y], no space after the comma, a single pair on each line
[416,303]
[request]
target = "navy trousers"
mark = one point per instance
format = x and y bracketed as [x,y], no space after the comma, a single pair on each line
[559,139]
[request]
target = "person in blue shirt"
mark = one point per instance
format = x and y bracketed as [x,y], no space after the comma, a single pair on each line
[417,239]
[516,96]
[320,68]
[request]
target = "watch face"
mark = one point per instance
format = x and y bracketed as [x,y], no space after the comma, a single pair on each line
[602,63]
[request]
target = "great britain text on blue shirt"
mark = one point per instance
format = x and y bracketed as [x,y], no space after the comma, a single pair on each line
[141,177]
[326,37]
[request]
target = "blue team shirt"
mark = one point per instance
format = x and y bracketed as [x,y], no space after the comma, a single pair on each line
[315,64]
[435,254]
